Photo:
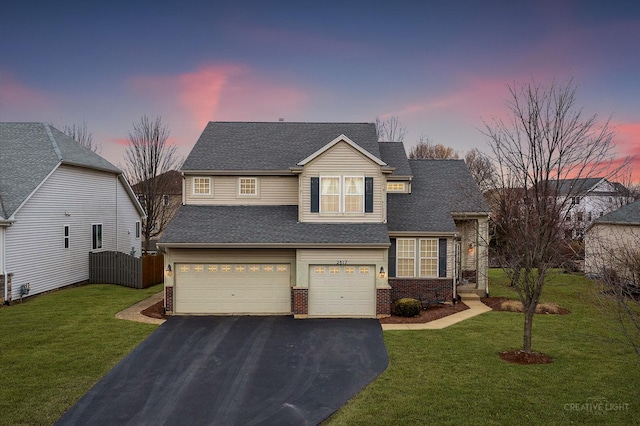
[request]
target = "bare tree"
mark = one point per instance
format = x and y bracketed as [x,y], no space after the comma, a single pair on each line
[545,139]
[613,256]
[482,169]
[82,135]
[147,158]
[427,149]
[390,130]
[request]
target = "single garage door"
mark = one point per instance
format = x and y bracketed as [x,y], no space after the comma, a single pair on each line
[215,288]
[342,291]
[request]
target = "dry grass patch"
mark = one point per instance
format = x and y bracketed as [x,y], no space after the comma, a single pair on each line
[542,308]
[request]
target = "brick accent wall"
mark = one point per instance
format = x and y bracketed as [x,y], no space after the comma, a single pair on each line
[421,288]
[168,299]
[300,301]
[5,280]
[383,302]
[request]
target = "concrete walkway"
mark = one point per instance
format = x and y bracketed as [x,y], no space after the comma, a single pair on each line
[133,313]
[476,307]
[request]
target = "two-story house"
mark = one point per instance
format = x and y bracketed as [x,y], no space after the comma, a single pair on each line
[588,200]
[318,220]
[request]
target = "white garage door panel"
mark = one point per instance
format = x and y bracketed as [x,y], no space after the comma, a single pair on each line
[229,289]
[342,291]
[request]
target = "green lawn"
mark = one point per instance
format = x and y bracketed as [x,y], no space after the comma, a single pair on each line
[56,346]
[454,376]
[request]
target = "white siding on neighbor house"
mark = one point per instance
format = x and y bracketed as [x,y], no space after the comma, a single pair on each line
[342,160]
[373,257]
[272,190]
[609,245]
[127,217]
[72,196]
[1,249]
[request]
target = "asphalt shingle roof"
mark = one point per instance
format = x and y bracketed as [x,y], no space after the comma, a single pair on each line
[439,187]
[29,152]
[625,215]
[220,225]
[270,146]
[394,155]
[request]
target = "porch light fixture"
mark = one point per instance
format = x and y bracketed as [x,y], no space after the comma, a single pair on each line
[383,274]
[168,270]
[471,248]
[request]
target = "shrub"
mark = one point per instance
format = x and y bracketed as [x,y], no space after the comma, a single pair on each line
[541,308]
[407,307]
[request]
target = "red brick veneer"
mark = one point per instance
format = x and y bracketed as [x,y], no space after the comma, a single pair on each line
[168,299]
[425,288]
[383,302]
[300,301]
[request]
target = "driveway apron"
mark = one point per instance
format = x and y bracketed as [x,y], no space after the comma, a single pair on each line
[237,370]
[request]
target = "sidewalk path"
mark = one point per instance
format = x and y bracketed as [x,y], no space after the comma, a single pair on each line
[133,313]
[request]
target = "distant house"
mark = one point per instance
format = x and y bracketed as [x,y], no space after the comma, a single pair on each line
[319,220]
[163,193]
[612,243]
[58,202]
[590,199]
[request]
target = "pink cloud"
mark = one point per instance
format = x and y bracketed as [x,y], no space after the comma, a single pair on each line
[21,99]
[224,92]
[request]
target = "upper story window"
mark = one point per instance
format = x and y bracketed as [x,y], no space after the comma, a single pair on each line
[330,194]
[137,229]
[248,186]
[165,200]
[575,200]
[201,186]
[347,194]
[396,187]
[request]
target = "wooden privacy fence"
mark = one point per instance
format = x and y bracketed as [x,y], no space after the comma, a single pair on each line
[113,267]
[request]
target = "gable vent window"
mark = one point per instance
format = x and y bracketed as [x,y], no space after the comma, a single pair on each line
[396,187]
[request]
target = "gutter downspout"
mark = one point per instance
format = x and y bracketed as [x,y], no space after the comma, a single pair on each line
[4,266]
[117,213]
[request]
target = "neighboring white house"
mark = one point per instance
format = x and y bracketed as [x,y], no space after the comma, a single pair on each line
[58,202]
[590,199]
[612,242]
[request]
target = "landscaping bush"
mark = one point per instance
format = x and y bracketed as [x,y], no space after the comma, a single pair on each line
[407,307]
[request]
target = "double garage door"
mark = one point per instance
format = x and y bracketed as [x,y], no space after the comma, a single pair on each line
[214,288]
[342,291]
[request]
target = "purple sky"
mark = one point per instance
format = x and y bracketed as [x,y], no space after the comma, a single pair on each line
[440,66]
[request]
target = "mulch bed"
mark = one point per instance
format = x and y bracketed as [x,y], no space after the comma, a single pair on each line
[520,357]
[434,312]
[495,303]
[155,311]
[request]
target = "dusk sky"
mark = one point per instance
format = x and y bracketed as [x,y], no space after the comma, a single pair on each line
[441,67]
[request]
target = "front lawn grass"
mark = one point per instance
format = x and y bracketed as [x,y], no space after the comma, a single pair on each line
[454,376]
[56,346]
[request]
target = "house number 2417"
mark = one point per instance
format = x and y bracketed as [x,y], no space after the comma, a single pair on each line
[341,262]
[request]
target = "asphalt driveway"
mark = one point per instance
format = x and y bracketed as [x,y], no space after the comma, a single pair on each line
[237,370]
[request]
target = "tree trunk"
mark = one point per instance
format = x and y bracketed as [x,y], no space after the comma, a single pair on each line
[528,330]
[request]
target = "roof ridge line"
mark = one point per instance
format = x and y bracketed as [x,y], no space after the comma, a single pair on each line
[56,148]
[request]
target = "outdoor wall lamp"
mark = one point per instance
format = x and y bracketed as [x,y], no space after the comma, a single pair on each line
[383,274]
[470,248]
[168,270]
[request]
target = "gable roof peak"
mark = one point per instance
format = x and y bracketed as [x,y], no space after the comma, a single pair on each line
[342,138]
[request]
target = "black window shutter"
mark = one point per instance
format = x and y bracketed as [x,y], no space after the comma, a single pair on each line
[392,258]
[368,195]
[315,194]
[442,257]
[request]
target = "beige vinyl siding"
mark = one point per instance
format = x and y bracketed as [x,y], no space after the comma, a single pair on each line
[272,190]
[306,257]
[342,160]
[35,242]
[232,256]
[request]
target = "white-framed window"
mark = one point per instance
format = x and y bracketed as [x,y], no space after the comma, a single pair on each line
[137,229]
[201,186]
[96,236]
[67,236]
[429,257]
[353,194]
[329,194]
[406,257]
[248,186]
[396,187]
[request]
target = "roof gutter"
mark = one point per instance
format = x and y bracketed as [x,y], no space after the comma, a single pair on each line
[274,245]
